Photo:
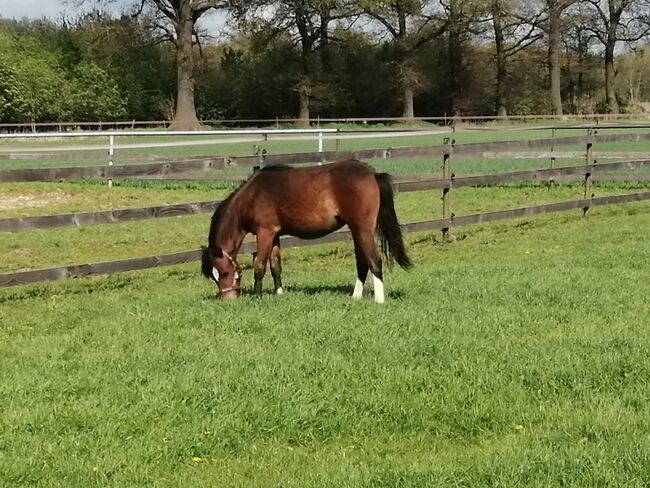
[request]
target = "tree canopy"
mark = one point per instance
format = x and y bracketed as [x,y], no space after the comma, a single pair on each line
[334,58]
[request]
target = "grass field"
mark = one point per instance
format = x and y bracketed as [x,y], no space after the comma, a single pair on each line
[516,356]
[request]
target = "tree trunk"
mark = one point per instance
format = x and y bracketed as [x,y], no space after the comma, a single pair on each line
[185,117]
[455,62]
[554,46]
[454,85]
[407,103]
[325,55]
[501,61]
[610,74]
[303,104]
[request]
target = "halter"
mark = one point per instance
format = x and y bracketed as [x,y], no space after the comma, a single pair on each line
[236,282]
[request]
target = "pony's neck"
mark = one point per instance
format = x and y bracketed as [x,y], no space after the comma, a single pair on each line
[231,234]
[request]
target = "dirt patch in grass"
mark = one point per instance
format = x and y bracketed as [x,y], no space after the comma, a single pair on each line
[19,201]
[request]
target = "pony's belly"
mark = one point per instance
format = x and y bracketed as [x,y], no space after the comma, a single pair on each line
[310,231]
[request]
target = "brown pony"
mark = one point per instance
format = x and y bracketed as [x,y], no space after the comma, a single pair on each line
[307,203]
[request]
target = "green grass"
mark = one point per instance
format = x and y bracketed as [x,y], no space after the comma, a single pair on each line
[51,198]
[516,356]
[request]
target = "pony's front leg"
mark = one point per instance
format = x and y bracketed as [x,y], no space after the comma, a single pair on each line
[264,246]
[276,266]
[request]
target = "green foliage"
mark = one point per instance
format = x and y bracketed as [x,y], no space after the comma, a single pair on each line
[128,52]
[40,90]
[249,84]
[53,73]
[95,95]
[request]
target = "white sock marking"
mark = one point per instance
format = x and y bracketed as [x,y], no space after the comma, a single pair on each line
[358,290]
[279,291]
[378,286]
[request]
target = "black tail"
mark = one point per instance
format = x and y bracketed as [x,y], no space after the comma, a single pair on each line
[388,229]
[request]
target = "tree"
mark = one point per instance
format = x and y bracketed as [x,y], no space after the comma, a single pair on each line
[307,23]
[129,52]
[410,25]
[634,77]
[513,31]
[95,95]
[33,85]
[461,20]
[176,20]
[613,21]
[582,65]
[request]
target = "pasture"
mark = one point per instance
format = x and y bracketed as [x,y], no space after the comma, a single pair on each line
[514,356]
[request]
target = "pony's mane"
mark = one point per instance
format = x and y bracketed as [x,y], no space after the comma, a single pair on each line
[274,167]
[220,213]
[222,208]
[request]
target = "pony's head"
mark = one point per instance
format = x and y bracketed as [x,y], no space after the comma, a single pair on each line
[223,269]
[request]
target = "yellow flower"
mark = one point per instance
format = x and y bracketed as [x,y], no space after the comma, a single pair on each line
[197,459]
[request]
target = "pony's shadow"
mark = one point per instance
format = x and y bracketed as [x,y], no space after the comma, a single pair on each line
[342,290]
[315,290]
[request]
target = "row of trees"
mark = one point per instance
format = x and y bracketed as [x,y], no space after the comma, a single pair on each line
[328,58]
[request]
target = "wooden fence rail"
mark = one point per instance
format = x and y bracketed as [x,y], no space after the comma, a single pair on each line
[123,215]
[108,267]
[212,163]
[80,219]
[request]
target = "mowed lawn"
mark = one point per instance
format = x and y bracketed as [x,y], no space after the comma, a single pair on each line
[515,356]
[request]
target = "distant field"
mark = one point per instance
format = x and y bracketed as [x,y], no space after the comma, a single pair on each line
[131,156]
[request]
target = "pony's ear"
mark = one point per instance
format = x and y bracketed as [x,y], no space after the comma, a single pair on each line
[215,252]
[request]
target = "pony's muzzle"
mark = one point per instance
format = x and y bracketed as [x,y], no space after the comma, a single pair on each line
[229,295]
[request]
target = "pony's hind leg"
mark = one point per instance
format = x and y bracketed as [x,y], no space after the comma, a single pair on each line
[276,266]
[366,252]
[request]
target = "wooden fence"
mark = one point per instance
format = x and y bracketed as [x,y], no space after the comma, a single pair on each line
[447,222]
[110,267]
[171,168]
[80,219]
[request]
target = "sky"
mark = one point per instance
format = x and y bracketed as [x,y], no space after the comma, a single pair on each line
[40,8]
[35,9]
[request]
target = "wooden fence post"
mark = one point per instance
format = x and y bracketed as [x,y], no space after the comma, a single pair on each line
[553,134]
[111,152]
[589,161]
[446,175]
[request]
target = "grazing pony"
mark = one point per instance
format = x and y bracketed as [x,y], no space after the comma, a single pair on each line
[307,203]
